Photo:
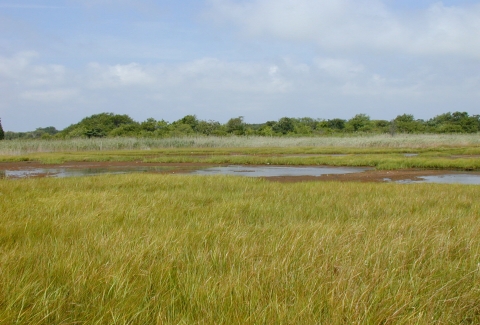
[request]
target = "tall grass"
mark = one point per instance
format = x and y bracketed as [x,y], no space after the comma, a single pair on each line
[15,147]
[162,249]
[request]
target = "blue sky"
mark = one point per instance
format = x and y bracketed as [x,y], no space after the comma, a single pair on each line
[64,60]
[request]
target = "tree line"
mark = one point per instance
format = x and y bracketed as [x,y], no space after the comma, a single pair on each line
[115,125]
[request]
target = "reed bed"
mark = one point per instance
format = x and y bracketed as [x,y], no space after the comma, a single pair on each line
[164,249]
[18,147]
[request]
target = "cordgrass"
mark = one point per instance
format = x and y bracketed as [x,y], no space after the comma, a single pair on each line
[459,158]
[165,249]
[19,147]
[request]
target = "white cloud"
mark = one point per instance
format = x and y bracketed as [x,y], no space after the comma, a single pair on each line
[324,87]
[52,95]
[214,74]
[119,75]
[339,68]
[21,69]
[12,67]
[357,24]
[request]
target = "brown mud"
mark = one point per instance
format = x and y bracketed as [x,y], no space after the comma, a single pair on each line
[185,168]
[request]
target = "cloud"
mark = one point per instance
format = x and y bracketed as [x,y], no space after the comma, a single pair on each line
[356,24]
[339,68]
[53,95]
[10,67]
[119,75]
[201,74]
[22,70]
[212,88]
[214,74]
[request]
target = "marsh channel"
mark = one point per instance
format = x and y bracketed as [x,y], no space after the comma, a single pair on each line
[18,170]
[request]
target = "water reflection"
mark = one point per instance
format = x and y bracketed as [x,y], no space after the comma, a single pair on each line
[467,179]
[270,171]
[249,171]
[72,172]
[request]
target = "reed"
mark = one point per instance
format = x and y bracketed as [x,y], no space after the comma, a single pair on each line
[19,147]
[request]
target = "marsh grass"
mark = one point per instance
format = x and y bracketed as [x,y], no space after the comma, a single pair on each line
[163,249]
[460,158]
[19,147]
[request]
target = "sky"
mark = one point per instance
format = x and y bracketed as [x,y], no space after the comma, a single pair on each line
[63,60]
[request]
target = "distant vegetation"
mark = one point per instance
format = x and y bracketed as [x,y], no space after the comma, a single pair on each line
[114,125]
[2,134]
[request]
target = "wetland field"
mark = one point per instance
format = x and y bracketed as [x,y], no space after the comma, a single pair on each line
[176,248]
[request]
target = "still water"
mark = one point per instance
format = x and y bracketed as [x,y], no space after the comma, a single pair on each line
[446,179]
[264,171]
[72,172]
[248,171]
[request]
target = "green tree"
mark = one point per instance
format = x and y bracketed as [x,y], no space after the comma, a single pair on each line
[190,120]
[150,125]
[181,129]
[336,124]
[236,126]
[407,124]
[97,125]
[284,125]
[302,129]
[457,122]
[125,130]
[162,128]
[380,126]
[308,121]
[208,127]
[360,122]
[44,132]
[2,134]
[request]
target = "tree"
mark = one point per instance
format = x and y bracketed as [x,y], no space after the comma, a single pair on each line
[2,134]
[457,122]
[44,133]
[150,125]
[336,124]
[360,122]
[208,127]
[284,125]
[406,123]
[236,126]
[190,120]
[98,125]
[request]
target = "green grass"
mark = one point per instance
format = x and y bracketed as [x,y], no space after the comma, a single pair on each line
[163,249]
[460,158]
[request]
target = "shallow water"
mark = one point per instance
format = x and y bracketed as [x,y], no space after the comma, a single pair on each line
[271,171]
[249,171]
[446,179]
[72,172]
[260,171]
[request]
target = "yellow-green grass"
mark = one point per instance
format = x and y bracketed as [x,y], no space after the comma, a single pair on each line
[164,249]
[462,158]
